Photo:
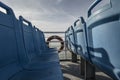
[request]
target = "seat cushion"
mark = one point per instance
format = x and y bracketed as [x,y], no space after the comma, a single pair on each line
[45,73]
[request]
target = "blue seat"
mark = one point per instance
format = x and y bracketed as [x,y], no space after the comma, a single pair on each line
[16,58]
[9,63]
[72,40]
[103,28]
[44,52]
[45,63]
[27,32]
[40,39]
[32,51]
[68,40]
[81,38]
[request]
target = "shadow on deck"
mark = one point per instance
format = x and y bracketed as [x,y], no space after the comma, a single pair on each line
[71,71]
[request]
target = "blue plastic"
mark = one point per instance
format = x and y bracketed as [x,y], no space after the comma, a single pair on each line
[80,35]
[92,6]
[8,9]
[103,38]
[18,58]
[9,63]
[37,61]
[28,37]
[72,40]
[67,39]
[41,41]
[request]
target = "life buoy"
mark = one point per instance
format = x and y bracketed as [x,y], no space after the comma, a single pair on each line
[58,38]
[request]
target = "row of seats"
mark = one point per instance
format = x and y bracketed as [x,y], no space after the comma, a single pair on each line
[24,54]
[97,38]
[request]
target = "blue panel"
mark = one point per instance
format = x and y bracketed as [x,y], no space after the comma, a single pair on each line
[40,39]
[9,64]
[81,38]
[68,40]
[28,38]
[37,61]
[18,52]
[50,73]
[103,38]
[72,39]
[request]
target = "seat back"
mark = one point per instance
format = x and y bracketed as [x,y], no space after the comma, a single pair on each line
[68,39]
[44,45]
[28,37]
[103,37]
[41,40]
[72,40]
[36,41]
[9,63]
[81,37]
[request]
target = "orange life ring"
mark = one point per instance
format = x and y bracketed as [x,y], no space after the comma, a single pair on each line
[58,38]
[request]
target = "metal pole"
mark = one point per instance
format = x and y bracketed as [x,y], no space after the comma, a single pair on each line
[89,71]
[65,52]
[82,67]
[74,57]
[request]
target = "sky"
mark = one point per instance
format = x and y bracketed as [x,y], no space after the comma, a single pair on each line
[50,15]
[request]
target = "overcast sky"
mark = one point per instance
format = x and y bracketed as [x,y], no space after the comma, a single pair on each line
[50,15]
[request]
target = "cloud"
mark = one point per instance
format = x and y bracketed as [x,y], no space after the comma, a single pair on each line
[59,1]
[50,14]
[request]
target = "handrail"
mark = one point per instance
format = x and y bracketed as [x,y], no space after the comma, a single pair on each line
[23,19]
[8,9]
[92,6]
[76,22]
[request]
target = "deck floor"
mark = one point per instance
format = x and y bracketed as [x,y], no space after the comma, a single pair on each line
[71,71]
